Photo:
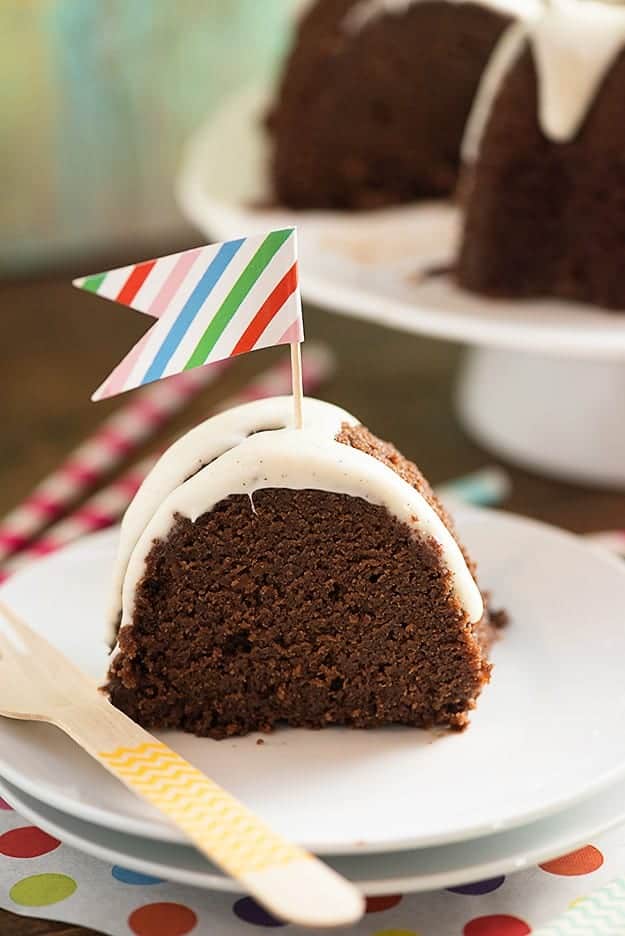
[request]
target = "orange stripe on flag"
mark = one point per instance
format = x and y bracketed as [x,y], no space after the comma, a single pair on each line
[270,307]
[135,281]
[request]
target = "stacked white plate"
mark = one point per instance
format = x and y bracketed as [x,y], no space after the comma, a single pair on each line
[540,770]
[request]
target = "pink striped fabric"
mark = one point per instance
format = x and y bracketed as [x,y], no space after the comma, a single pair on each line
[107,506]
[122,433]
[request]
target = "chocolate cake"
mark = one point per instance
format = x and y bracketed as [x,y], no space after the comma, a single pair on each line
[270,575]
[545,176]
[374,97]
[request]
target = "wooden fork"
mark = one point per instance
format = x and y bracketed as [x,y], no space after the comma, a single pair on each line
[37,683]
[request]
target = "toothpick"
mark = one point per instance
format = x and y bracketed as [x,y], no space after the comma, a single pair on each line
[298,387]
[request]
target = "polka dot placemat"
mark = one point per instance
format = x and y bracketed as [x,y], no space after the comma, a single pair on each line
[41,877]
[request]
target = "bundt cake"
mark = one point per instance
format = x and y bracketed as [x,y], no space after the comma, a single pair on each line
[374,97]
[310,577]
[544,186]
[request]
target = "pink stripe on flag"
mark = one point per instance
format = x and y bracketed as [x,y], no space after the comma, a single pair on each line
[173,281]
[293,333]
[115,382]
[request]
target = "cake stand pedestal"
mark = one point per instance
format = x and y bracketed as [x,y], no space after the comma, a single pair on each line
[558,416]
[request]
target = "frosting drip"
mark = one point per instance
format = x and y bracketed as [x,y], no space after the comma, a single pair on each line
[503,58]
[574,44]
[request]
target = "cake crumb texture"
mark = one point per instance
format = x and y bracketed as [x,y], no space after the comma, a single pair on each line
[300,607]
[312,609]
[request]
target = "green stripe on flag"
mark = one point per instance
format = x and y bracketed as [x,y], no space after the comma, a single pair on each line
[235,297]
[93,283]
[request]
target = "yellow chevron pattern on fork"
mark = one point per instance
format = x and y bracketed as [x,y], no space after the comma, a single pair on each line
[212,818]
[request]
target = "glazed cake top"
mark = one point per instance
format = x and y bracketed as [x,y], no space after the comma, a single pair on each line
[574,43]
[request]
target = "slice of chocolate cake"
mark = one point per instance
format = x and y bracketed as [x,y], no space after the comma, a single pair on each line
[374,98]
[309,577]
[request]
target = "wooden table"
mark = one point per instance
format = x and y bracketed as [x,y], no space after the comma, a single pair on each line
[58,344]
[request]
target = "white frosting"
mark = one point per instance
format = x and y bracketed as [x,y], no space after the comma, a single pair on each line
[574,45]
[280,458]
[201,445]
[503,58]
[366,11]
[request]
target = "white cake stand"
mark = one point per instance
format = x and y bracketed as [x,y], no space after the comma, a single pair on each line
[542,383]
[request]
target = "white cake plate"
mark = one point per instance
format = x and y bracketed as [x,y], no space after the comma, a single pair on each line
[546,734]
[553,408]
[406,872]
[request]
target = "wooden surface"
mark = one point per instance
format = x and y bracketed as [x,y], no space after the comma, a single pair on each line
[58,344]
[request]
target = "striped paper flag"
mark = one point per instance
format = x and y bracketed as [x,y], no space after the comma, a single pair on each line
[210,303]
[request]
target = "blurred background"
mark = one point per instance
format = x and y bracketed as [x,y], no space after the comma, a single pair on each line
[98,97]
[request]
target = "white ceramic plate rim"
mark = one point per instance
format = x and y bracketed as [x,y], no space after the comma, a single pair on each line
[503,853]
[206,201]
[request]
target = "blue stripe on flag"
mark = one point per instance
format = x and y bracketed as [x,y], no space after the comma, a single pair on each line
[190,309]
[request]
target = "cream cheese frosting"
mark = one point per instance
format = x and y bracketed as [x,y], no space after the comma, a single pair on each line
[246,450]
[197,448]
[574,44]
